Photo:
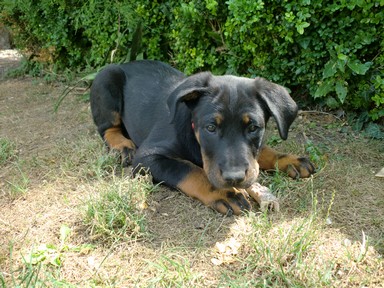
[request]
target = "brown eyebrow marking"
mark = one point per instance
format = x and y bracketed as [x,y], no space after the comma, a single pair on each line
[219,119]
[246,119]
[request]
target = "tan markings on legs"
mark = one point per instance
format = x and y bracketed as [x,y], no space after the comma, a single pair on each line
[116,140]
[197,185]
[267,158]
[294,166]
[114,136]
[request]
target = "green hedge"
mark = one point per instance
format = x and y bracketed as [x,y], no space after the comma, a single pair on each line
[332,52]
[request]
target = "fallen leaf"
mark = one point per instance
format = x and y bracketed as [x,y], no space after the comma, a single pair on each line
[216,262]
[225,251]
[380,173]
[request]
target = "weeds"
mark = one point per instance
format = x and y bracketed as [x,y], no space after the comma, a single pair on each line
[173,273]
[315,155]
[19,183]
[283,253]
[297,247]
[41,266]
[87,159]
[7,151]
[86,79]
[362,252]
[280,252]
[117,212]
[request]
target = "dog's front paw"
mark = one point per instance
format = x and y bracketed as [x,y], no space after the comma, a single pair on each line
[294,166]
[230,202]
[263,196]
[299,167]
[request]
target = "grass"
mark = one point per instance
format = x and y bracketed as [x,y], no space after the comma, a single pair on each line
[116,212]
[7,150]
[174,271]
[40,267]
[279,253]
[18,183]
[282,254]
[86,158]
[273,250]
[80,220]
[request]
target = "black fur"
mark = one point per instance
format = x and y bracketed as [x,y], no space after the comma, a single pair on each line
[178,122]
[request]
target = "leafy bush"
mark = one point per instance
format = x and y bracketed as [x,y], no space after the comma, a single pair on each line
[70,33]
[332,52]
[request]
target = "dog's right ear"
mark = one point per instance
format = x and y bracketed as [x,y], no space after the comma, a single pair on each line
[189,91]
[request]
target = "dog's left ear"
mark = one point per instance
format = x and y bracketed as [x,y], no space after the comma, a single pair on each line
[189,91]
[279,103]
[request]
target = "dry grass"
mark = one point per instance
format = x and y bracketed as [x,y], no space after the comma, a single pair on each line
[328,234]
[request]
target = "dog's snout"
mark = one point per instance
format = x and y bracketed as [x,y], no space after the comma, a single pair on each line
[234,177]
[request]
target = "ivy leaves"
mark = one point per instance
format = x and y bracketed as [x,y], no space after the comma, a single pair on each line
[336,73]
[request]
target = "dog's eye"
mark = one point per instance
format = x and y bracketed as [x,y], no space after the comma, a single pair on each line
[211,128]
[252,128]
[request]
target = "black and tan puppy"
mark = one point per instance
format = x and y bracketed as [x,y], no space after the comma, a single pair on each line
[201,134]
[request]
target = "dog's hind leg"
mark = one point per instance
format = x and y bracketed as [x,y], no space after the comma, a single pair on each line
[116,139]
[106,105]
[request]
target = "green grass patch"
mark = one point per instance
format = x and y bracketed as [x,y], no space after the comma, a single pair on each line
[280,253]
[174,271]
[40,267]
[19,182]
[7,151]
[117,210]
[86,158]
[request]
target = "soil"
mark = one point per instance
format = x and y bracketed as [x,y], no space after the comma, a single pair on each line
[9,59]
[44,140]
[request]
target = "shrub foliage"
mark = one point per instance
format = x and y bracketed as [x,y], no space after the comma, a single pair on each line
[330,51]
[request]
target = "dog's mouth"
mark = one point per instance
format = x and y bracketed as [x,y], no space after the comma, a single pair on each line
[235,178]
[217,180]
[243,185]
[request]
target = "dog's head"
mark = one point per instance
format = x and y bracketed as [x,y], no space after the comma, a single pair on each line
[229,116]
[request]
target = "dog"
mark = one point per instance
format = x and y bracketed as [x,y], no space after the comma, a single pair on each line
[202,134]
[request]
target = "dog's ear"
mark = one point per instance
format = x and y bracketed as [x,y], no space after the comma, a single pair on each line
[189,91]
[280,105]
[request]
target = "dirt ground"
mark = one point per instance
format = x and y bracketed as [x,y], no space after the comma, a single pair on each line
[9,59]
[51,148]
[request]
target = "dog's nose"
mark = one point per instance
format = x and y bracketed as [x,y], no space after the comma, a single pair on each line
[234,177]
